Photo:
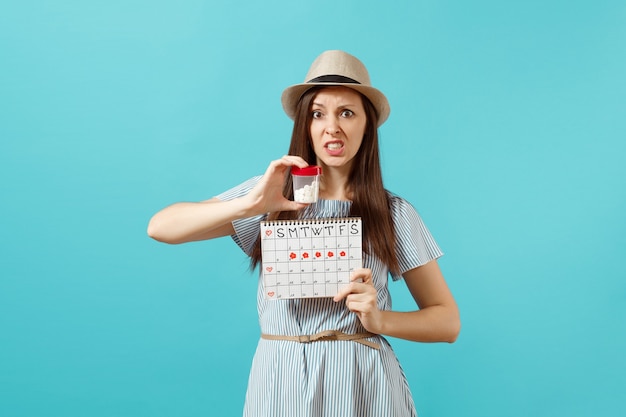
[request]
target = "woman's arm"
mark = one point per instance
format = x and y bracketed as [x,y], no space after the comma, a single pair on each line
[437,319]
[187,222]
[192,221]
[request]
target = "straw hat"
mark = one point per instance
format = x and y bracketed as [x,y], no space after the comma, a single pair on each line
[337,68]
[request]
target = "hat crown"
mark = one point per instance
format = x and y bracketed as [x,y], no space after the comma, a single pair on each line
[338,63]
[336,68]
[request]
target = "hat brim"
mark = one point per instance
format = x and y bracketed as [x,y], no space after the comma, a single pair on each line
[291,96]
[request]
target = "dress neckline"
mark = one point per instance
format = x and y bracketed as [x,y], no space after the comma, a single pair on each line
[328,208]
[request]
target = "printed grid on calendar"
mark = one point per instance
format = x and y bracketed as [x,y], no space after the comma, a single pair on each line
[310,257]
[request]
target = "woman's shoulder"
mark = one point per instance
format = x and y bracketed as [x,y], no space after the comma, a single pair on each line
[241,189]
[398,203]
[402,210]
[250,182]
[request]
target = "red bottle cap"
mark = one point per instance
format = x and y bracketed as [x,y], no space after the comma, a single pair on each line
[311,170]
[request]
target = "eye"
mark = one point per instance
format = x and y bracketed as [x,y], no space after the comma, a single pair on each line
[347,113]
[316,114]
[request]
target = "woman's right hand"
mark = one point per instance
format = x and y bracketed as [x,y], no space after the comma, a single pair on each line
[267,195]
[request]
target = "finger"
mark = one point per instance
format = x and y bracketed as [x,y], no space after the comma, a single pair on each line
[294,160]
[345,291]
[293,206]
[342,293]
[353,290]
[359,305]
[363,275]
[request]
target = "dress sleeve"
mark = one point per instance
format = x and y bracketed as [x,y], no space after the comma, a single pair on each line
[416,245]
[246,229]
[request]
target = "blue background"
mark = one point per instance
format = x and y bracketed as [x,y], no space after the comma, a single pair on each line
[507,132]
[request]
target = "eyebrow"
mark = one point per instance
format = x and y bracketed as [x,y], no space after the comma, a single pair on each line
[341,106]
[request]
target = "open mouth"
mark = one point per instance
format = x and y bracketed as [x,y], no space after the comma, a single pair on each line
[333,146]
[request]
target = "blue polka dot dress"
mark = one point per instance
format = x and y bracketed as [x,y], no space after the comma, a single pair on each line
[330,378]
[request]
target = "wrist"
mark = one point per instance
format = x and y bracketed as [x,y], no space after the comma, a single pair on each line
[247,206]
[377,322]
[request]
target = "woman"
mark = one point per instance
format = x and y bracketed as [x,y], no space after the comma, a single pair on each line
[328,356]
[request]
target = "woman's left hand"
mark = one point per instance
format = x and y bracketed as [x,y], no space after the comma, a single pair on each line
[360,296]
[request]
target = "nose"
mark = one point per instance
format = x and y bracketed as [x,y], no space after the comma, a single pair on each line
[333,127]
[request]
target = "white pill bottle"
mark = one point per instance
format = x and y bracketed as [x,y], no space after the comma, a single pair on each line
[306,183]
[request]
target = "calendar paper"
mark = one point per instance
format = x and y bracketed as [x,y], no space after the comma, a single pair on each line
[309,257]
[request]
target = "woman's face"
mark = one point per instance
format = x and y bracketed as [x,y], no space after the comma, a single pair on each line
[337,126]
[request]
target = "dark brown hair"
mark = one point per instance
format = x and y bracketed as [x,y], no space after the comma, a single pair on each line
[370,200]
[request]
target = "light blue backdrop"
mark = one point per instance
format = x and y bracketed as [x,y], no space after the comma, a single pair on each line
[507,132]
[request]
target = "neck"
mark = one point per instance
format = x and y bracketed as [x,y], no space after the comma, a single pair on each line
[334,184]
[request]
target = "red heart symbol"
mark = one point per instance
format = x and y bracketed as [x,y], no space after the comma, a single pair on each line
[270,293]
[305,255]
[330,254]
[268,232]
[317,254]
[342,253]
[292,255]
[269,269]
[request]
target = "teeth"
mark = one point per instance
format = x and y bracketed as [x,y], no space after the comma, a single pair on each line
[334,146]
